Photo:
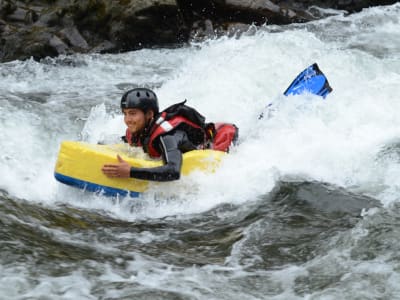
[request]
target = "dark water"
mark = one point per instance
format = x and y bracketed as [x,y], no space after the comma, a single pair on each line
[237,247]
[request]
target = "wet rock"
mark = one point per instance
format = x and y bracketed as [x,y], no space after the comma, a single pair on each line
[44,28]
[7,8]
[51,18]
[74,38]
[58,45]
[19,43]
[50,28]
[18,15]
[104,47]
[202,30]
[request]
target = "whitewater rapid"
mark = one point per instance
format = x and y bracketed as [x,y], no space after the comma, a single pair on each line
[350,140]
[229,79]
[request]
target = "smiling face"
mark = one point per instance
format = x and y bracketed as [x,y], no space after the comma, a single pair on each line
[136,120]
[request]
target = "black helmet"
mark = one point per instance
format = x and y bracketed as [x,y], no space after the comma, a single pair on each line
[141,98]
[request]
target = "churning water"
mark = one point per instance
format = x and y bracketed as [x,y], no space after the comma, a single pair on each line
[307,206]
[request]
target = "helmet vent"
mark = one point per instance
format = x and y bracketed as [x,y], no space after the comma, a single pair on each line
[147,94]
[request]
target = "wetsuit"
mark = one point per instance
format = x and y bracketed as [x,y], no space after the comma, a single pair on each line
[174,131]
[171,145]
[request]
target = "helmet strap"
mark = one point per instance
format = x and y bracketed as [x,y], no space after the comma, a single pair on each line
[149,115]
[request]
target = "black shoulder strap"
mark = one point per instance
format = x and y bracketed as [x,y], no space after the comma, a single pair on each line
[181,109]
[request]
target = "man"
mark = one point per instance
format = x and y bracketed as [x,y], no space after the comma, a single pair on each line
[168,134]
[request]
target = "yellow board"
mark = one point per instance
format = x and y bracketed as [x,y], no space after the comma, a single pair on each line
[79,164]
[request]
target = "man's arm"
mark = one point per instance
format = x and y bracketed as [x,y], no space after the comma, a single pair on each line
[172,155]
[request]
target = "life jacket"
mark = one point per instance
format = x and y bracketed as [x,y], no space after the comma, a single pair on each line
[224,135]
[203,135]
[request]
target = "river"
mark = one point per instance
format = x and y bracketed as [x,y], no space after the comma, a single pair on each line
[305,207]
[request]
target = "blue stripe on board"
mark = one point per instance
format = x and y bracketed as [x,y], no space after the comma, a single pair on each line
[92,187]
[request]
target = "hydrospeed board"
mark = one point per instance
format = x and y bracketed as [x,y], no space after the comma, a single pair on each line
[79,164]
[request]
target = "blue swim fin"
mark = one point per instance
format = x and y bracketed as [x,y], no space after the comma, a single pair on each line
[311,80]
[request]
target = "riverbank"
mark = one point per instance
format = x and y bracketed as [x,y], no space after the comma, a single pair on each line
[48,28]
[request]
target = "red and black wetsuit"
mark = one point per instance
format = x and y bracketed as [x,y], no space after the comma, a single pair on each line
[171,138]
[171,146]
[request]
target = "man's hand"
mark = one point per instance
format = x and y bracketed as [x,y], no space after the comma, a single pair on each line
[119,170]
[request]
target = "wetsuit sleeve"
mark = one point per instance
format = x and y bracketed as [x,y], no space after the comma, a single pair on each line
[172,155]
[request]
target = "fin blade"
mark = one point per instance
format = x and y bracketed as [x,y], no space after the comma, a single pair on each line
[310,80]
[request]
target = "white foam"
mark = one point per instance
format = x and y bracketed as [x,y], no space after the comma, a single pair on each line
[334,140]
